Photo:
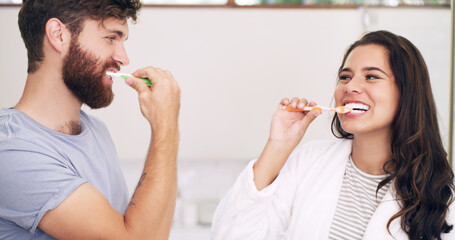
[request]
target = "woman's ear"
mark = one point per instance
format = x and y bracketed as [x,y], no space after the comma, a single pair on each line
[57,35]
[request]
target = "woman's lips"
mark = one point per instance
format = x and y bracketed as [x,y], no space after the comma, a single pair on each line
[357,107]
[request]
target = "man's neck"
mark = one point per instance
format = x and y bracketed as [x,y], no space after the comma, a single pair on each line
[47,100]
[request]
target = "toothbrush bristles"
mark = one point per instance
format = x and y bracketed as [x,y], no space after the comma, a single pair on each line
[342,109]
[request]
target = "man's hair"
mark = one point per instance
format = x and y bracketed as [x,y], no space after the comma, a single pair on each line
[34,15]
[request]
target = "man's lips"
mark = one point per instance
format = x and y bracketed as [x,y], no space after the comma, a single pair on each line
[108,79]
[112,69]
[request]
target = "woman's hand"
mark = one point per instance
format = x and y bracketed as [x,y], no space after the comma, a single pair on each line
[288,128]
[286,132]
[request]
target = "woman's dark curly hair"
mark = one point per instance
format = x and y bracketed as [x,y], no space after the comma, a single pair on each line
[419,170]
[34,15]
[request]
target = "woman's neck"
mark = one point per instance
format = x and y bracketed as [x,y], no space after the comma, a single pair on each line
[371,152]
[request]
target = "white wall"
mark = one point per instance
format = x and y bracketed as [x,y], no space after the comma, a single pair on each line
[234,65]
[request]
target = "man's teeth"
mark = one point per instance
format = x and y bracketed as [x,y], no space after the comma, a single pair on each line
[357,107]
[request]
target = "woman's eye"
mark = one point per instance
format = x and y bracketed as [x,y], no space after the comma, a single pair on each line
[344,78]
[371,77]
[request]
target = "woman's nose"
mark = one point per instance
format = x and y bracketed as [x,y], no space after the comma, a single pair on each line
[354,86]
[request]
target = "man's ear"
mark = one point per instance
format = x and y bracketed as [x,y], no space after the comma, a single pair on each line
[57,35]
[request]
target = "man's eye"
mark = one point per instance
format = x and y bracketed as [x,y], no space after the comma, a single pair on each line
[111,38]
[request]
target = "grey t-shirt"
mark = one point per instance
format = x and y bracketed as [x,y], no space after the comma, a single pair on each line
[40,168]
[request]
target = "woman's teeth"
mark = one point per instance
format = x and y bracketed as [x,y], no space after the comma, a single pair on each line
[357,107]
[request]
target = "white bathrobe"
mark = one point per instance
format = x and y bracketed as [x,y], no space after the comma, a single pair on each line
[301,202]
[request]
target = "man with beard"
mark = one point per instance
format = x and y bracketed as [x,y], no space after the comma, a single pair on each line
[59,171]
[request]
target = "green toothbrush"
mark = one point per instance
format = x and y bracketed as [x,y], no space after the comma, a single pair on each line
[125,75]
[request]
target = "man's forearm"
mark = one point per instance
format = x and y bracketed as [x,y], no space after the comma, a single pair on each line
[150,212]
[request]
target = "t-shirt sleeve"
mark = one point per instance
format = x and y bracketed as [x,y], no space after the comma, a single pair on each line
[33,181]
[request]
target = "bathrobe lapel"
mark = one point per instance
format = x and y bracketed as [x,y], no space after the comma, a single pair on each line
[377,226]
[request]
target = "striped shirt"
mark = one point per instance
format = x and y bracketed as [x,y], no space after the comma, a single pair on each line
[357,203]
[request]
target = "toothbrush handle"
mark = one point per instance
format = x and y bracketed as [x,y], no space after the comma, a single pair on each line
[290,109]
[144,79]
[339,109]
[147,81]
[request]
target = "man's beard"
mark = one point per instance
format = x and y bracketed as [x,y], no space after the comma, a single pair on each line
[83,75]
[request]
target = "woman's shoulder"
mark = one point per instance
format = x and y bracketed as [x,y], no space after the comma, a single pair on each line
[327,146]
[320,152]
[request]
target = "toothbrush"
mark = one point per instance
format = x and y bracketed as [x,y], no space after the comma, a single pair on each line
[339,109]
[125,75]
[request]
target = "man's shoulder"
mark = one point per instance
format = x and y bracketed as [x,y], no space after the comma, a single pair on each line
[5,115]
[16,125]
[8,124]
[20,134]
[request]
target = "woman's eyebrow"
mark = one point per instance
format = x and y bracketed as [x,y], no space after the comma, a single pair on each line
[375,69]
[365,69]
[345,70]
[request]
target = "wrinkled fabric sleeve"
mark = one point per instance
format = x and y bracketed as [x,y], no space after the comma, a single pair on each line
[33,181]
[246,213]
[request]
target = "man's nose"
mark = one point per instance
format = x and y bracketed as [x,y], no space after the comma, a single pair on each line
[120,56]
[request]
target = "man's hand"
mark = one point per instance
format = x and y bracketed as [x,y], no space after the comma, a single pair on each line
[159,103]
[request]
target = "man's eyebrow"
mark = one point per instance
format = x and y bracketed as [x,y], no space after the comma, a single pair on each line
[117,32]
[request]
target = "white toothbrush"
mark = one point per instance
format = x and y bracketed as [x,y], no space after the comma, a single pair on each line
[125,75]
